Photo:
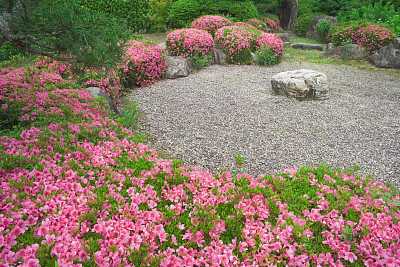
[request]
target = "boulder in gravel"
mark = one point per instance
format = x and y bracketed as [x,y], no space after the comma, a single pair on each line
[313,33]
[387,56]
[346,52]
[178,67]
[301,84]
[97,92]
[219,57]
[308,46]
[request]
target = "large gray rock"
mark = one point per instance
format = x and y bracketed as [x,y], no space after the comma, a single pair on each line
[387,56]
[219,57]
[287,13]
[346,52]
[301,84]
[396,43]
[97,92]
[284,36]
[308,46]
[178,67]
[313,33]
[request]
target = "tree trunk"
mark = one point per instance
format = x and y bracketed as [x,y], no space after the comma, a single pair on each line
[288,14]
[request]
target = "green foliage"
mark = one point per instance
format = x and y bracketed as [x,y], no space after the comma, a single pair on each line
[378,12]
[267,7]
[159,12]
[201,62]
[322,27]
[130,113]
[305,7]
[239,159]
[56,28]
[134,12]
[8,50]
[183,12]
[265,56]
[394,24]
[302,24]
[331,7]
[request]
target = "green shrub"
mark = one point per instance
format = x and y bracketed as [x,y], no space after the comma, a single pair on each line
[134,12]
[322,27]
[8,50]
[331,7]
[394,24]
[302,24]
[183,12]
[378,12]
[159,10]
[305,7]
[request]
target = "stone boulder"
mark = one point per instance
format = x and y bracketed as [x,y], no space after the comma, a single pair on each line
[313,33]
[308,46]
[219,57]
[301,84]
[346,52]
[284,36]
[97,92]
[387,56]
[178,67]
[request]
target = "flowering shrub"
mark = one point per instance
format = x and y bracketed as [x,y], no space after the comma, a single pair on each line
[258,24]
[244,25]
[76,190]
[237,43]
[372,36]
[269,49]
[190,43]
[210,23]
[272,23]
[144,64]
[106,80]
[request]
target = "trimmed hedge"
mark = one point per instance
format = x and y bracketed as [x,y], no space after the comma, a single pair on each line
[183,12]
[135,12]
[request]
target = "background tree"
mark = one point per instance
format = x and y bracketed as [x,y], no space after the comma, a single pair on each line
[63,30]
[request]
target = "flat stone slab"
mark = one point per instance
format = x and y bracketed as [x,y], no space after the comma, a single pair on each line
[308,46]
[301,84]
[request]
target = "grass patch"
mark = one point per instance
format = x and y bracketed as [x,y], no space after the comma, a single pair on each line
[158,37]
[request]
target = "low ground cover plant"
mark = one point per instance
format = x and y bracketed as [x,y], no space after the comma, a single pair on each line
[210,23]
[190,43]
[372,36]
[78,190]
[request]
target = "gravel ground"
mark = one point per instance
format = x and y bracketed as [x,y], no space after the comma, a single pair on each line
[212,115]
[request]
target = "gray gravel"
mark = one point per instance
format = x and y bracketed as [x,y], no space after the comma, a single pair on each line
[207,118]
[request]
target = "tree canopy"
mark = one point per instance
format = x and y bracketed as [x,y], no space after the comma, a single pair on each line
[63,30]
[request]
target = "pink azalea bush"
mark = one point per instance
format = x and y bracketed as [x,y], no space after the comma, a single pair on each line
[143,64]
[269,49]
[371,36]
[190,43]
[244,25]
[210,23]
[107,80]
[272,24]
[237,42]
[258,24]
[76,189]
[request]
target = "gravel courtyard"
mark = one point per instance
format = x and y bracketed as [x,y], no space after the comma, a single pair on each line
[210,116]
